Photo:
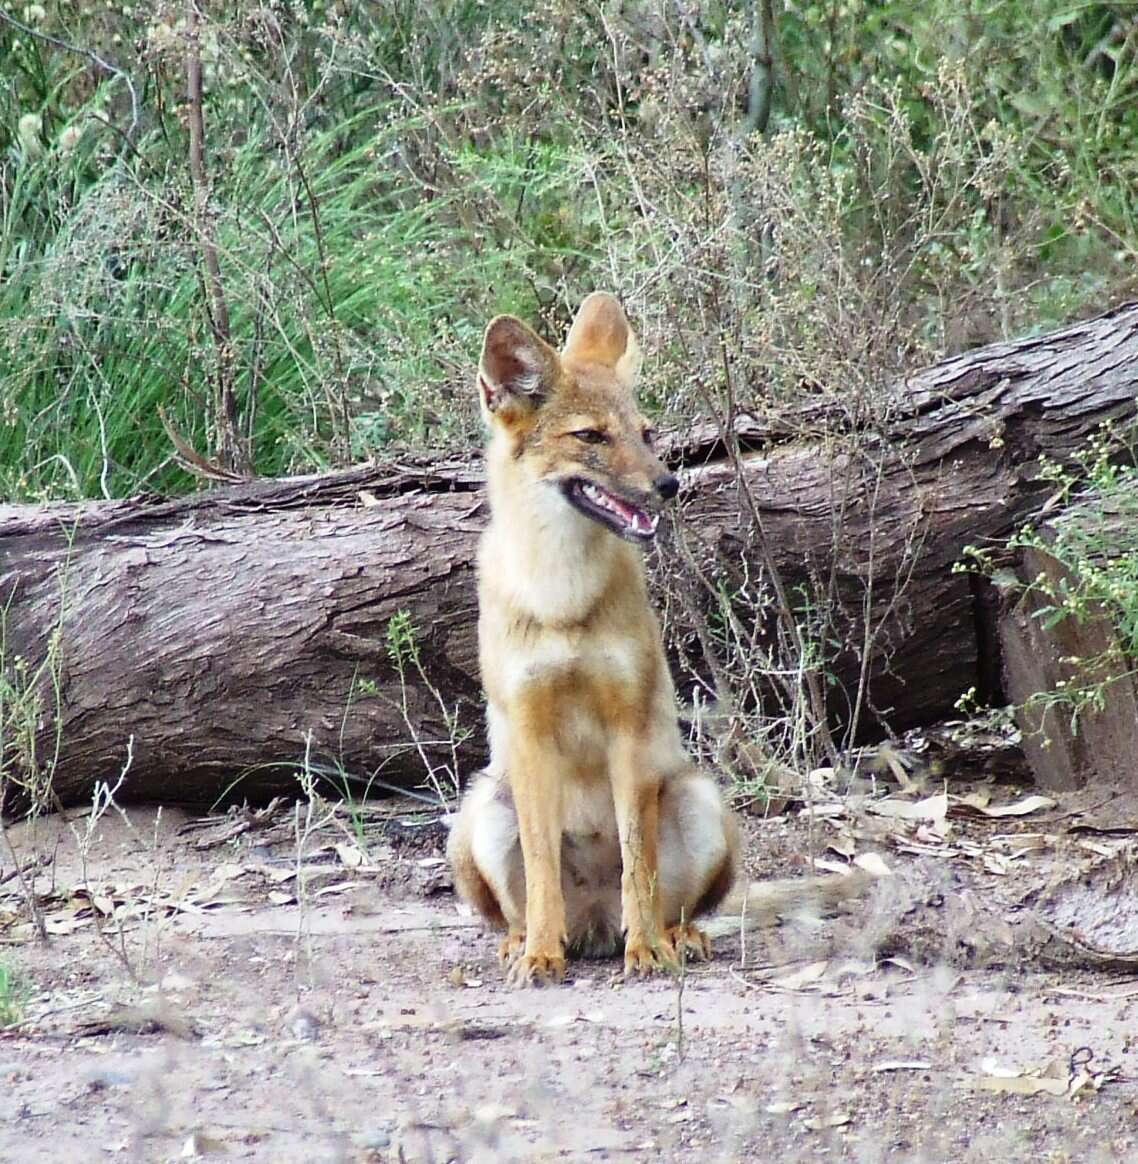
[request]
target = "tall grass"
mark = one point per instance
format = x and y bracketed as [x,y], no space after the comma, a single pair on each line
[354,305]
[383,181]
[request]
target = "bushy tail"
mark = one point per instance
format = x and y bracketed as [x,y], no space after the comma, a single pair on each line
[764,903]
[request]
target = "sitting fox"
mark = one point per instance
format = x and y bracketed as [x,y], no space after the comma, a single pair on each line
[590,822]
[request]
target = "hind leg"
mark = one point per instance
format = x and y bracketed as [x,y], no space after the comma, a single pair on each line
[486,856]
[699,843]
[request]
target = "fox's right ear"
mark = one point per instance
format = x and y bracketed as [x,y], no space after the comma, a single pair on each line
[517,369]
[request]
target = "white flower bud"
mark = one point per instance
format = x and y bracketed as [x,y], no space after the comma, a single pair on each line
[28,133]
[69,139]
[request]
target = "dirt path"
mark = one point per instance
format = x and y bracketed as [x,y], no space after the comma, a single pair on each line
[368,1021]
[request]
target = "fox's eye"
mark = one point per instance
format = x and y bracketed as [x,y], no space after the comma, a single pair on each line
[591,436]
[649,437]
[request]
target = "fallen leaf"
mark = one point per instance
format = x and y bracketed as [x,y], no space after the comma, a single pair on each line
[200,1144]
[853,969]
[245,1039]
[491,1113]
[1023,1085]
[844,846]
[337,887]
[1099,849]
[933,833]
[1023,807]
[1028,804]
[350,855]
[932,808]
[928,850]
[976,800]
[873,864]
[64,923]
[1051,1079]
[804,976]
[823,811]
[837,1119]
[1019,845]
[783,1107]
[831,866]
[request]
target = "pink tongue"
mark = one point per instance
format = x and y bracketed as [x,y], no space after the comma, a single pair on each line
[629,514]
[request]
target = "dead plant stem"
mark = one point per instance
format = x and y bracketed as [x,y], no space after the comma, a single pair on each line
[232,452]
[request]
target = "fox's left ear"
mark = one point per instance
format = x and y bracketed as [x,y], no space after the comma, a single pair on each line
[517,371]
[601,334]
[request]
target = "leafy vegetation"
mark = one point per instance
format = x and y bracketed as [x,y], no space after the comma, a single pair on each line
[13,995]
[377,180]
[1093,540]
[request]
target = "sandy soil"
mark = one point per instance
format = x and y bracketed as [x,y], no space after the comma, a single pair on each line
[294,987]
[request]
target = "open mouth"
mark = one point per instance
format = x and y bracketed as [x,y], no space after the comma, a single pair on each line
[622,517]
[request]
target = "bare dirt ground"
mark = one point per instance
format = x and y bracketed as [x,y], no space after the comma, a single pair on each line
[300,985]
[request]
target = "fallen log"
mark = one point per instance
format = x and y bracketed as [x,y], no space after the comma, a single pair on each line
[1067,670]
[222,642]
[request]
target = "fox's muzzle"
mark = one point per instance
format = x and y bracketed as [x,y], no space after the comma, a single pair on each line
[667,485]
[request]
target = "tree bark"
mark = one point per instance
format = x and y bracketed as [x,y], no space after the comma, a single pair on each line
[871,527]
[1071,675]
[211,643]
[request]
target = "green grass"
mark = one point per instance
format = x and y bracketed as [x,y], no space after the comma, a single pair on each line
[408,177]
[355,307]
[13,995]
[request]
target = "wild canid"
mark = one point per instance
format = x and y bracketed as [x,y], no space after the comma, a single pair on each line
[590,823]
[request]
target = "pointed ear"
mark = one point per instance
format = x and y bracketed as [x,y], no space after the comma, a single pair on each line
[517,370]
[601,334]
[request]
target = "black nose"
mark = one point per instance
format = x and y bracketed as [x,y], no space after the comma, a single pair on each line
[667,485]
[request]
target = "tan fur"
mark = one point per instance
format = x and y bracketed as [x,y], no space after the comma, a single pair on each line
[590,822]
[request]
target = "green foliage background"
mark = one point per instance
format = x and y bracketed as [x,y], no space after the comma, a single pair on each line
[384,177]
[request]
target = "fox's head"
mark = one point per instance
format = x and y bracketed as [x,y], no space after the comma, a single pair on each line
[570,420]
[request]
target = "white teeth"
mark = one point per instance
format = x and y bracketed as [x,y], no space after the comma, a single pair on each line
[635,519]
[600,498]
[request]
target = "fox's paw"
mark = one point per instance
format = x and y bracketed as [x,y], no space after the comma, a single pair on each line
[690,941]
[536,969]
[644,957]
[510,948]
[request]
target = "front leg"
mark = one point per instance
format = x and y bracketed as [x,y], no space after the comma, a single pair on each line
[536,780]
[636,798]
